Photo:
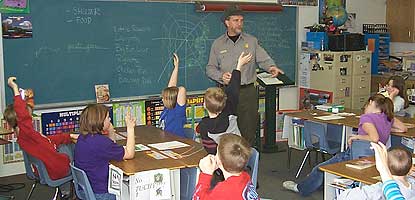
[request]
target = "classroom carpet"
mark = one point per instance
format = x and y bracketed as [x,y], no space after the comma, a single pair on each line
[273,170]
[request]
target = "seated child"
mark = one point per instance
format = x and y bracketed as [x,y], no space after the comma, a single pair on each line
[374,125]
[44,148]
[400,164]
[173,117]
[395,91]
[221,106]
[390,187]
[93,151]
[232,156]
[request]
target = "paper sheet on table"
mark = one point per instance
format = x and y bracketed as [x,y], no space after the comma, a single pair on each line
[168,145]
[329,117]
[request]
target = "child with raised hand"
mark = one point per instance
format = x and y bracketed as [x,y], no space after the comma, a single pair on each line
[93,151]
[399,163]
[374,125]
[221,106]
[232,156]
[44,148]
[390,187]
[173,117]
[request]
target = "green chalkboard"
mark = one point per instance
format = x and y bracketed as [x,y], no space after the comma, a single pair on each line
[128,45]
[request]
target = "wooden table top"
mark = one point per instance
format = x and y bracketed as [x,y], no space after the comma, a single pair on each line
[350,121]
[365,176]
[149,135]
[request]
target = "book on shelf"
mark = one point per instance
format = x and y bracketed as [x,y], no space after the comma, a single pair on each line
[360,164]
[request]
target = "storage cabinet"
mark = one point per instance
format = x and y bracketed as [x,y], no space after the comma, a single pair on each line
[346,74]
[400,17]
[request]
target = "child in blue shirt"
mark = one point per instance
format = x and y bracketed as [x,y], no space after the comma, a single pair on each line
[173,117]
[93,151]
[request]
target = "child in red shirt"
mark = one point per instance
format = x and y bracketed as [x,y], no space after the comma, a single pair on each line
[34,143]
[232,156]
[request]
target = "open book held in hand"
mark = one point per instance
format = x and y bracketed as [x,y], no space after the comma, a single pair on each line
[268,79]
[361,164]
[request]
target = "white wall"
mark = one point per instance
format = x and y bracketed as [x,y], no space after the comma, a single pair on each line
[367,11]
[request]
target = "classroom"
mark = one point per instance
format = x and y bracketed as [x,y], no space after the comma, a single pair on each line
[213,99]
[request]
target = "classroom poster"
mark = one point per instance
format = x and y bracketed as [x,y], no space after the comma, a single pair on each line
[152,185]
[154,107]
[14,6]
[63,121]
[195,111]
[309,98]
[15,27]
[11,152]
[137,110]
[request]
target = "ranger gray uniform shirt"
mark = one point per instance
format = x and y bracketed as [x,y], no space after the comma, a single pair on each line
[224,56]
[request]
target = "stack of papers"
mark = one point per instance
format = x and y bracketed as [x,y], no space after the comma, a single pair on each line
[268,79]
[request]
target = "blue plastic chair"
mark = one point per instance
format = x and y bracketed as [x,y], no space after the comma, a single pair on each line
[253,164]
[83,188]
[43,177]
[189,133]
[188,176]
[322,137]
[361,148]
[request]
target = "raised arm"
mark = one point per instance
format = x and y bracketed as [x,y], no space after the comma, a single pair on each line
[130,147]
[175,72]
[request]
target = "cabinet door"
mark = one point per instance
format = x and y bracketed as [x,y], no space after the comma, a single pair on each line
[400,19]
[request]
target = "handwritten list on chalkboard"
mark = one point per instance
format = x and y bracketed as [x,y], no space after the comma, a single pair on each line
[128,45]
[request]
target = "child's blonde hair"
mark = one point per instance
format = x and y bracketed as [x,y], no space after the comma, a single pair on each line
[170,97]
[10,116]
[215,99]
[234,152]
[92,119]
[399,161]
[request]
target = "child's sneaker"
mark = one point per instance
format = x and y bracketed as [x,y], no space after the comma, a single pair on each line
[290,185]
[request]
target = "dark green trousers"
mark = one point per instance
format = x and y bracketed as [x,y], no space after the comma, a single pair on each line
[248,112]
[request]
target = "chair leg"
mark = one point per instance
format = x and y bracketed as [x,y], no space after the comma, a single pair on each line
[31,190]
[56,195]
[289,157]
[302,163]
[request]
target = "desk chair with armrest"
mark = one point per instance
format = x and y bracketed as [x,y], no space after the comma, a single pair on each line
[322,137]
[42,177]
[252,165]
[188,176]
[83,188]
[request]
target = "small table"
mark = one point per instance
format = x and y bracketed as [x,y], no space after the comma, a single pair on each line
[336,170]
[4,131]
[141,162]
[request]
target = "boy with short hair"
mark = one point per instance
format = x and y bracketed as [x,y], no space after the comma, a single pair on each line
[400,164]
[221,106]
[233,153]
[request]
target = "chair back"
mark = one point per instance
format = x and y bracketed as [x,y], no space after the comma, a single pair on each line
[189,133]
[253,164]
[83,188]
[360,148]
[326,137]
[43,173]
[188,177]
[28,167]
